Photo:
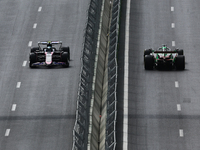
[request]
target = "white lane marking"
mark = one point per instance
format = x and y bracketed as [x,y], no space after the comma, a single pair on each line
[13,107]
[173,43]
[24,63]
[173,25]
[126,66]
[179,107]
[7,132]
[30,43]
[18,84]
[181,134]
[39,9]
[35,25]
[176,84]
[172,8]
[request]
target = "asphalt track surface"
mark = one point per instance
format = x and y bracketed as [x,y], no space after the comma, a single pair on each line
[163,106]
[37,106]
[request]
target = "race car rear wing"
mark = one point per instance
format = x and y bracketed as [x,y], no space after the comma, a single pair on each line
[165,52]
[52,42]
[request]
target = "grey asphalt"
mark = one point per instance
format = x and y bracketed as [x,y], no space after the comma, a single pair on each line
[46,100]
[154,121]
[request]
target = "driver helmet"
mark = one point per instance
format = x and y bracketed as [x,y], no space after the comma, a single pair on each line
[164,47]
[49,49]
[49,44]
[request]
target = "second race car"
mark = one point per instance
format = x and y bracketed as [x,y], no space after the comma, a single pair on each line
[49,53]
[164,57]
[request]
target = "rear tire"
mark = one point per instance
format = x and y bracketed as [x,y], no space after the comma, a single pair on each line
[34,49]
[180,62]
[66,49]
[65,59]
[32,59]
[148,62]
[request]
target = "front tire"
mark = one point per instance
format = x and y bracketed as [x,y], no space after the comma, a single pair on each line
[66,49]
[65,59]
[33,49]
[148,62]
[32,59]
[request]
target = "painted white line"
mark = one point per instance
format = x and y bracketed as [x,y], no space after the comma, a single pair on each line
[35,25]
[173,43]
[126,66]
[7,132]
[39,9]
[172,8]
[24,63]
[13,107]
[176,84]
[173,25]
[18,84]
[179,107]
[30,43]
[181,134]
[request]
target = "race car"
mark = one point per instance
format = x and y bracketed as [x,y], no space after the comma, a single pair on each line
[49,53]
[164,57]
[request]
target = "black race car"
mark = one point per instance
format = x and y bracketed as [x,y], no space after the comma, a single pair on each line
[164,57]
[49,53]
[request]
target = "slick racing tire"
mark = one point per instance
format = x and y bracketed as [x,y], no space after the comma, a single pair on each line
[180,62]
[148,62]
[65,59]
[147,52]
[180,52]
[32,59]
[33,49]
[66,49]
